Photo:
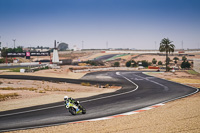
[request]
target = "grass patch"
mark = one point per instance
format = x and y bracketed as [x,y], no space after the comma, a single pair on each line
[1,82]
[18,69]
[192,72]
[41,91]
[24,88]
[85,84]
[7,96]
[14,69]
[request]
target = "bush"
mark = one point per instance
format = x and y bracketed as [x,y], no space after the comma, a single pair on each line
[7,96]
[2,61]
[128,63]
[131,63]
[175,58]
[116,64]
[184,58]
[85,84]
[154,61]
[185,64]
[145,63]
[160,63]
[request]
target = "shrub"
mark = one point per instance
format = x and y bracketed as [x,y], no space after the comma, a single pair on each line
[175,58]
[128,63]
[71,69]
[154,61]
[160,63]
[184,58]
[107,86]
[42,91]
[185,64]
[6,96]
[145,63]
[116,64]
[131,63]
[85,84]
[11,88]
[2,61]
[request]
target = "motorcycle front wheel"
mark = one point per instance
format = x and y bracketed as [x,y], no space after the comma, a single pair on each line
[72,111]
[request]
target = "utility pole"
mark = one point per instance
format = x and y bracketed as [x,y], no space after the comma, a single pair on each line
[82,45]
[107,45]
[14,42]
[182,44]
[155,45]
[0,43]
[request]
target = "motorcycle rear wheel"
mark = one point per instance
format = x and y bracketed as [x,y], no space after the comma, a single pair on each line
[83,110]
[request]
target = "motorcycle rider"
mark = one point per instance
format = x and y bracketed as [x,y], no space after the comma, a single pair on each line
[71,100]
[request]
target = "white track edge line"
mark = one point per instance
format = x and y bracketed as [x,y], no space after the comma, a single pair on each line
[176,83]
[117,73]
[162,103]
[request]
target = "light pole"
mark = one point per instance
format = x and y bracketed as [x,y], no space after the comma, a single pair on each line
[82,44]
[14,42]
[0,43]
[107,45]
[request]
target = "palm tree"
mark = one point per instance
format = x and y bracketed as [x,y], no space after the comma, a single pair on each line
[166,46]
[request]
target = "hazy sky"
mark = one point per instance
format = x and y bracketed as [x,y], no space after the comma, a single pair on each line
[139,24]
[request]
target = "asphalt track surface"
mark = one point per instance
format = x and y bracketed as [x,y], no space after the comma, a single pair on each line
[104,57]
[138,91]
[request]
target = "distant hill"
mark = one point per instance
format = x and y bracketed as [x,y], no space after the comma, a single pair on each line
[63,46]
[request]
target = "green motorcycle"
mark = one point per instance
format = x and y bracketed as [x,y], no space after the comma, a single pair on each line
[75,108]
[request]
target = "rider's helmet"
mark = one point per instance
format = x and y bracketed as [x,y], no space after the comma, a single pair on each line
[65,97]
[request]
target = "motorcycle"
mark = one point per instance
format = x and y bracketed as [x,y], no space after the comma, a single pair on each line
[75,109]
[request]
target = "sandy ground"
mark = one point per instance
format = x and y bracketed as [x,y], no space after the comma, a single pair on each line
[162,58]
[180,77]
[64,72]
[182,115]
[46,92]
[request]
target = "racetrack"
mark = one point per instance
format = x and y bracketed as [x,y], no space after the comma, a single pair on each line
[139,91]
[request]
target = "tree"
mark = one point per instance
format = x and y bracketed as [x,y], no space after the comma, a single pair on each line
[154,61]
[168,60]
[185,64]
[116,64]
[128,63]
[145,63]
[175,59]
[4,51]
[131,63]
[184,58]
[160,63]
[167,47]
